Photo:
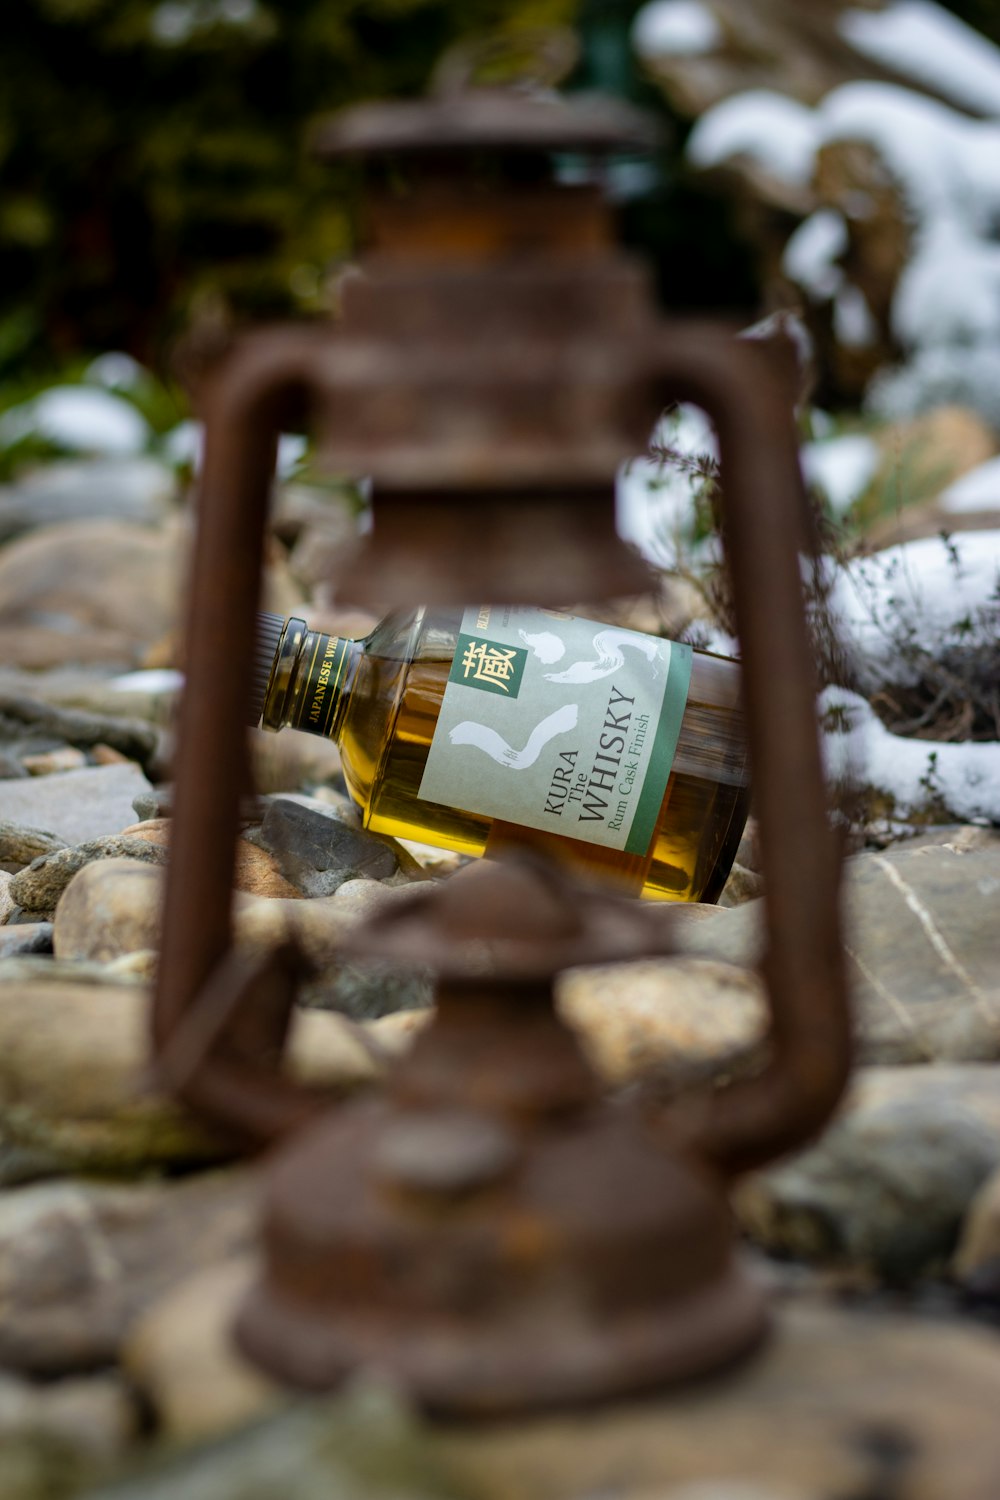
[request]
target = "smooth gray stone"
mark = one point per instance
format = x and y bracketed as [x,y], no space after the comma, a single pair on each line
[20,1164]
[11,768]
[19,846]
[26,718]
[75,806]
[24,938]
[887,1186]
[80,1260]
[96,1414]
[38,887]
[363,1445]
[367,991]
[132,489]
[318,851]
[923,950]
[834,1405]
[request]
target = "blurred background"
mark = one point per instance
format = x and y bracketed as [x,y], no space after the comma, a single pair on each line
[831,165]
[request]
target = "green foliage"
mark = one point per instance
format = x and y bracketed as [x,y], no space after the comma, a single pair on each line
[154,155]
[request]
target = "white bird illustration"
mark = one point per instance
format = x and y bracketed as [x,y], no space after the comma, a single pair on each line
[546,646]
[496,747]
[608,645]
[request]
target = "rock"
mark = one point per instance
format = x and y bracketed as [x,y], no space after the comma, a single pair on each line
[152,804]
[112,907]
[96,1415]
[366,1445]
[76,806]
[50,761]
[865,1405]
[976,1263]
[38,887]
[108,909]
[21,1164]
[922,944]
[319,526]
[104,755]
[923,950]
[663,1016]
[748,853]
[123,489]
[318,851]
[7,902]
[19,846]
[257,871]
[26,937]
[99,689]
[10,767]
[366,992]
[181,1355]
[88,591]
[74,1065]
[80,1261]
[921,458]
[57,1438]
[288,761]
[742,885]
[26,721]
[72,1062]
[888,1185]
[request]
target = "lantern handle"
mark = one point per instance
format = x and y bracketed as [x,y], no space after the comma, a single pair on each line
[202,989]
[763,514]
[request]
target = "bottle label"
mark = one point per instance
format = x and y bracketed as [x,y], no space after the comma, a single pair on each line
[321,688]
[558,723]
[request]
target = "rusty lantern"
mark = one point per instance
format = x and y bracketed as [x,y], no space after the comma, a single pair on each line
[492,1230]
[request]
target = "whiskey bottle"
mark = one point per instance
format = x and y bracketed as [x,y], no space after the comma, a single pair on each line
[473,729]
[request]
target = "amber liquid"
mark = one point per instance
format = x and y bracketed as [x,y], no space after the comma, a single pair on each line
[392,694]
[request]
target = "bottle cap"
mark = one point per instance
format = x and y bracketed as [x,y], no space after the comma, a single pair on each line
[267,640]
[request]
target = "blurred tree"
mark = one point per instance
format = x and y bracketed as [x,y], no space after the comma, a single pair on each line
[153,155]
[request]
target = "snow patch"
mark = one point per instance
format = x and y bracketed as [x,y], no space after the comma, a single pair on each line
[778,133]
[931,46]
[946,308]
[79,418]
[854,325]
[842,467]
[811,253]
[675,28]
[184,444]
[916,598]
[116,372]
[151,680]
[964,776]
[654,500]
[979,489]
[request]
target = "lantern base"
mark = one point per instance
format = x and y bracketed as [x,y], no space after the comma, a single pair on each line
[587,1264]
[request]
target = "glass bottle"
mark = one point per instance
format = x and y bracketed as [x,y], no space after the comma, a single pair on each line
[469,730]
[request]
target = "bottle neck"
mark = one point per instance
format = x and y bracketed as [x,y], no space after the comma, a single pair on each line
[310,681]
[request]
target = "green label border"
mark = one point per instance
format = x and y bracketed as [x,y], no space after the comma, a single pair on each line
[661,757]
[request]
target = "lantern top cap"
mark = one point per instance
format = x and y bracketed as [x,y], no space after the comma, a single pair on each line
[499,119]
[520,917]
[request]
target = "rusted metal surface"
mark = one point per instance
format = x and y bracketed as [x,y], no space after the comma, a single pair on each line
[491,1229]
[458,119]
[492,1232]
